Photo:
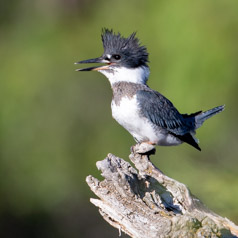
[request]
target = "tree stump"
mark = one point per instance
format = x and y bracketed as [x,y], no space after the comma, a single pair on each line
[145,203]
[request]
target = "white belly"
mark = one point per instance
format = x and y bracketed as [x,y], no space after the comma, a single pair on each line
[127,115]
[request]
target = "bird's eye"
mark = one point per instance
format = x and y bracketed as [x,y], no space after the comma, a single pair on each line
[116,57]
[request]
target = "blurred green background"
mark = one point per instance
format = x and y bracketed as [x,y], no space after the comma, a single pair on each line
[56,123]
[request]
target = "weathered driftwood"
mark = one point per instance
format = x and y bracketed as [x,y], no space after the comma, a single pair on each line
[145,203]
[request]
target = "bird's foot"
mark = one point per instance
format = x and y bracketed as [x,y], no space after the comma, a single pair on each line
[143,148]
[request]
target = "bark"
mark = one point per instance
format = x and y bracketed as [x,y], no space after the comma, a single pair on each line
[145,203]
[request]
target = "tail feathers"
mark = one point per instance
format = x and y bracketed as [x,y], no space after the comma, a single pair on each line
[190,139]
[203,116]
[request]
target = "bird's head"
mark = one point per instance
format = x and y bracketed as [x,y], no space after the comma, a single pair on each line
[124,59]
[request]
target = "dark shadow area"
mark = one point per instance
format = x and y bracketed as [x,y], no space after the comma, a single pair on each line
[158,192]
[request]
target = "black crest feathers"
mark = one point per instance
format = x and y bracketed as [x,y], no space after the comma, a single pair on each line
[133,53]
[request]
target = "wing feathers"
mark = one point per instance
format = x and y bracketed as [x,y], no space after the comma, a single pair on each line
[160,111]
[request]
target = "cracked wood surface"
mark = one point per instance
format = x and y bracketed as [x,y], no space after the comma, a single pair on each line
[145,203]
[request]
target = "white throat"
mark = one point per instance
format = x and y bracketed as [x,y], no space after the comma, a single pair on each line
[137,75]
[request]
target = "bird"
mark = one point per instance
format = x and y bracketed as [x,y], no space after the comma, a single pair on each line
[146,114]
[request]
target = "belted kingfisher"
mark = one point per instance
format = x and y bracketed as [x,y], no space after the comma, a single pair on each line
[145,113]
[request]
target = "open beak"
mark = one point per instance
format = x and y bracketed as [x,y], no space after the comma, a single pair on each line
[96,68]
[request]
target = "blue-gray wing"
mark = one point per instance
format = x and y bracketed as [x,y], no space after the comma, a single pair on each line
[160,111]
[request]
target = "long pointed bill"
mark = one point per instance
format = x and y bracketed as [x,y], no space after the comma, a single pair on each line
[96,60]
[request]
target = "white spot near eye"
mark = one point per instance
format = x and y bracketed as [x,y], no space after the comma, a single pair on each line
[109,56]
